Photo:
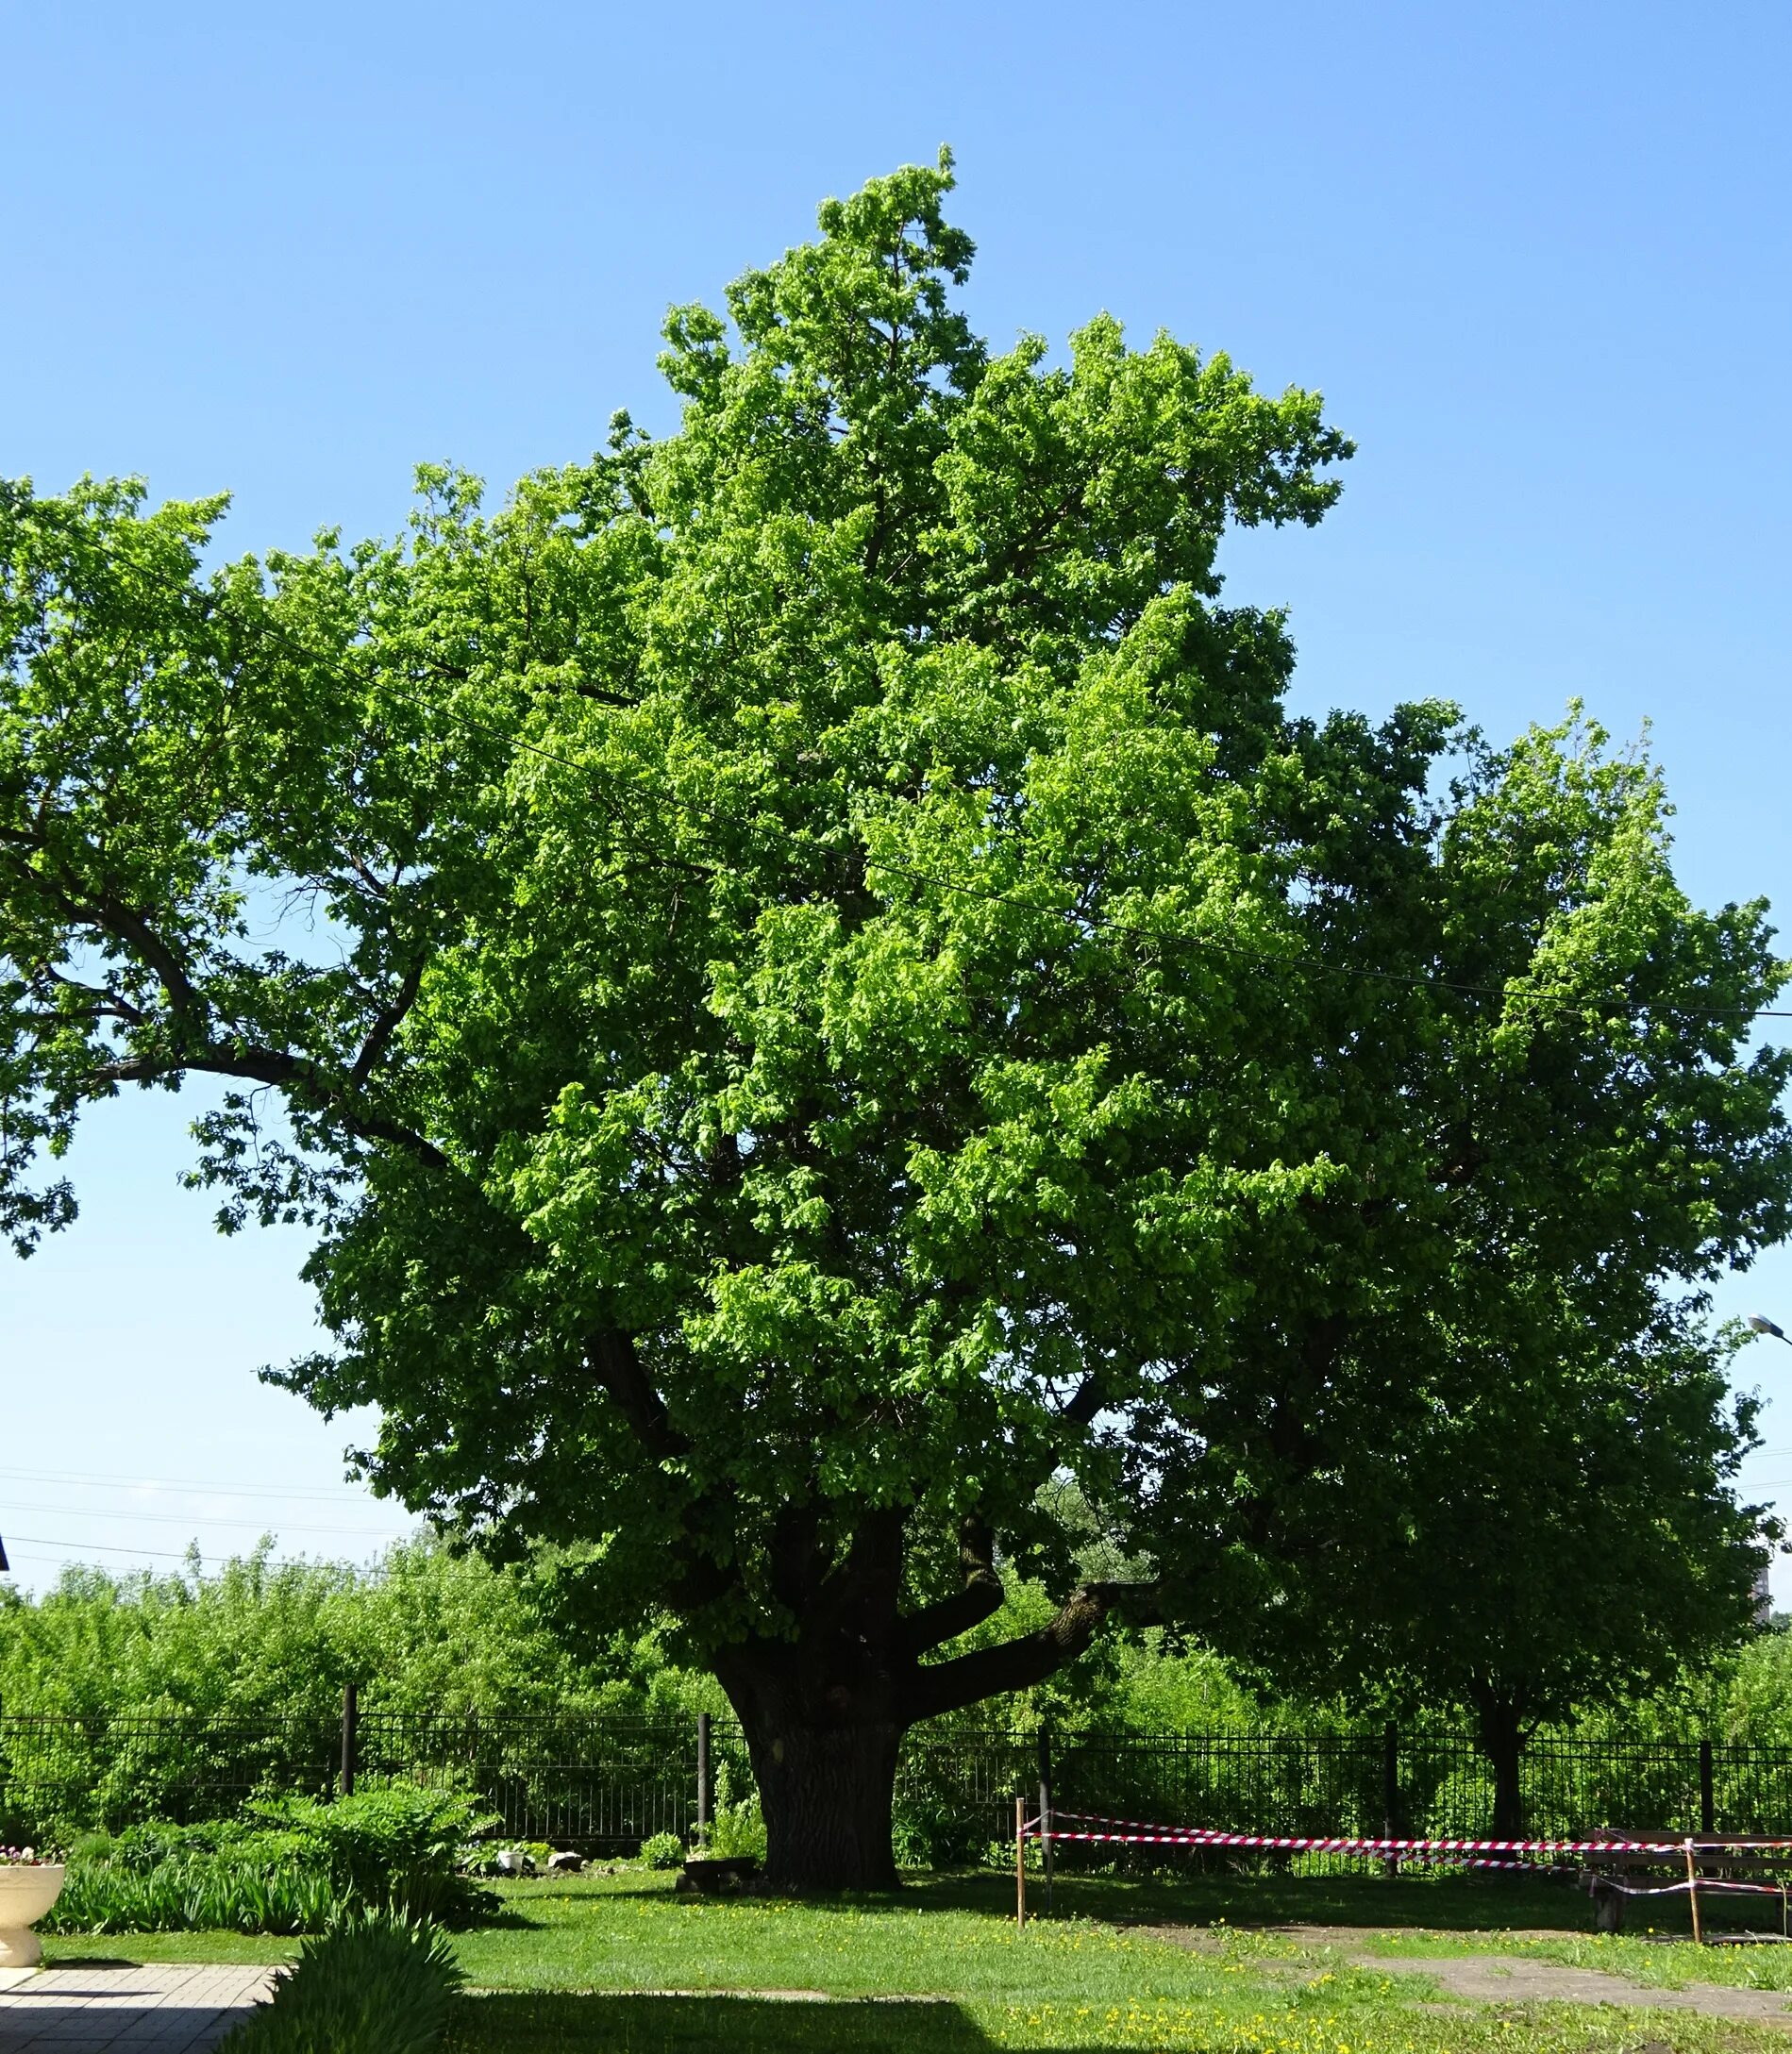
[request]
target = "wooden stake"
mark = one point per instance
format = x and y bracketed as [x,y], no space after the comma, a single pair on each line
[1692,1894]
[1020,1864]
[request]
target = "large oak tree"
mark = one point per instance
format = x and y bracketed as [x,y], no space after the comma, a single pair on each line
[813,985]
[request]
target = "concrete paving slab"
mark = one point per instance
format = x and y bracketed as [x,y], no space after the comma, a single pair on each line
[122,2007]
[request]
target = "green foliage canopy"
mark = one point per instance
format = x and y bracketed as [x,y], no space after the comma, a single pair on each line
[264,1645]
[816,985]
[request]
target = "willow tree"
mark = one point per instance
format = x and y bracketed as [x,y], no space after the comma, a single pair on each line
[810,983]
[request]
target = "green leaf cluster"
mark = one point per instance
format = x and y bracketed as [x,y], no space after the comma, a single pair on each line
[808,985]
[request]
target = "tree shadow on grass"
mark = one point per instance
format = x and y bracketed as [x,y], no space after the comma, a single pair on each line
[1446,1902]
[1450,1903]
[562,2023]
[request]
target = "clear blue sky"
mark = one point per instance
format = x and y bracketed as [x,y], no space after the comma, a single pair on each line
[1537,257]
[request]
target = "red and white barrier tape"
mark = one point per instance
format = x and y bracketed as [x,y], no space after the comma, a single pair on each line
[1143,1833]
[1434,1859]
[1706,1884]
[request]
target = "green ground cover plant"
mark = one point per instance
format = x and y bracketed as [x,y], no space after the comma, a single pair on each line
[1664,1958]
[172,1881]
[632,1931]
[501,2024]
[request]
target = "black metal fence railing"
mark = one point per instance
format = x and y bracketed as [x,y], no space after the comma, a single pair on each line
[96,1770]
[606,1784]
[600,1785]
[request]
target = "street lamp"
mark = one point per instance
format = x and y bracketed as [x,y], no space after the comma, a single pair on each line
[1766,1326]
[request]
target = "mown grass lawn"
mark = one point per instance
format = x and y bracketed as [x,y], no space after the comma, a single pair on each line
[621,1963]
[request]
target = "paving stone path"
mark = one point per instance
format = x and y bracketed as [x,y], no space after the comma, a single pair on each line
[1506,1979]
[106,2007]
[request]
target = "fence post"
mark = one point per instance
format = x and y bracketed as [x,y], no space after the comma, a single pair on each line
[703,1785]
[1045,1807]
[1391,1793]
[1707,1791]
[351,1717]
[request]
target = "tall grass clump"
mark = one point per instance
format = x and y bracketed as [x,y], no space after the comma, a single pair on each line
[377,1985]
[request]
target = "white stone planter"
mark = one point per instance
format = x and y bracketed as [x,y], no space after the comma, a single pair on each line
[27,1890]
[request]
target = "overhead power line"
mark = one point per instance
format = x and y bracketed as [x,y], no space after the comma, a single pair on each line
[94,1480]
[187,1519]
[73,1550]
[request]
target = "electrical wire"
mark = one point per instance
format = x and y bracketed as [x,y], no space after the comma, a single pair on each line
[94,1480]
[77,1548]
[11,1506]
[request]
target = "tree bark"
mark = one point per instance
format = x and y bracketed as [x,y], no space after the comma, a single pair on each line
[824,1714]
[825,1697]
[826,1792]
[822,1730]
[1500,1715]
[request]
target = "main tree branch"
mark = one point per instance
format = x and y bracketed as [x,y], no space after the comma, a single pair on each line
[286,1072]
[979,1599]
[946,1686]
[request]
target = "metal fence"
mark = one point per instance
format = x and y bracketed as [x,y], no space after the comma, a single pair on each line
[600,1785]
[604,1784]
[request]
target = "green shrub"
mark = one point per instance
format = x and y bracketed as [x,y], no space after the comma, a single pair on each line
[662,1850]
[374,1986]
[223,1875]
[739,1826]
[195,1892]
[292,1867]
[911,1844]
[400,1849]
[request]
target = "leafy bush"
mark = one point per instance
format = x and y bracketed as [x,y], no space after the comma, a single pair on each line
[662,1850]
[293,1866]
[269,1645]
[398,1849]
[224,1877]
[911,1845]
[373,1986]
[194,1893]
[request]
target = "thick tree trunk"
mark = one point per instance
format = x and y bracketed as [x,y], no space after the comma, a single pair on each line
[840,1672]
[826,1792]
[824,1711]
[1502,1739]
